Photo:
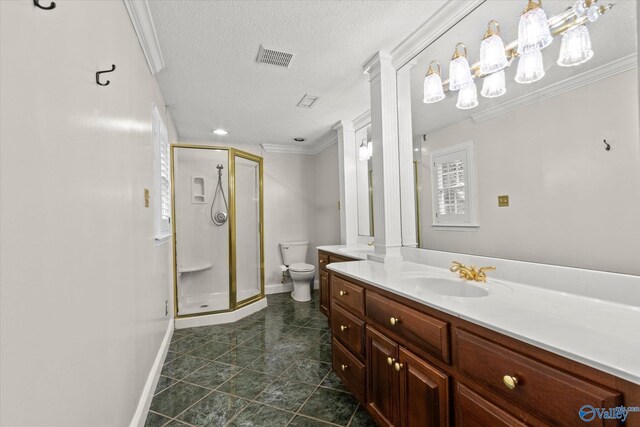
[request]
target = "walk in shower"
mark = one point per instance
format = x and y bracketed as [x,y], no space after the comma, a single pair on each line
[217,229]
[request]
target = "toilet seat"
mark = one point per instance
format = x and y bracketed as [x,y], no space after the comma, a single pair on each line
[301,267]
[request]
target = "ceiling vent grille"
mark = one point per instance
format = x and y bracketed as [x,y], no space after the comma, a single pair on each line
[307,101]
[274,57]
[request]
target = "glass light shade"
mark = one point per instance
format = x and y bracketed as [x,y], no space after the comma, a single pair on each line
[593,13]
[492,55]
[530,68]
[579,8]
[533,31]
[459,73]
[363,152]
[576,47]
[468,97]
[433,91]
[369,149]
[494,85]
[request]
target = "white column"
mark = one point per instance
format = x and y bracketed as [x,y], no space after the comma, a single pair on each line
[386,183]
[347,175]
[405,153]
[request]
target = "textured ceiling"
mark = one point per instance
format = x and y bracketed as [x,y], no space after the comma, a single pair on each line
[613,36]
[211,78]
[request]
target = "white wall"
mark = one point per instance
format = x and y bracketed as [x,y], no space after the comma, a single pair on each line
[83,284]
[327,198]
[571,202]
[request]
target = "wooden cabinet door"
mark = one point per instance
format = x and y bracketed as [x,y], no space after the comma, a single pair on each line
[424,392]
[324,293]
[382,379]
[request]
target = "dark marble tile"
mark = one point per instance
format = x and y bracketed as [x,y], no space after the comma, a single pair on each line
[286,394]
[215,410]
[182,366]
[279,299]
[330,405]
[326,338]
[290,347]
[212,375]
[171,356]
[332,381]
[307,335]
[302,421]
[271,363]
[240,356]
[211,350]
[155,420]
[319,351]
[308,371]
[176,423]
[177,398]
[297,319]
[318,324]
[265,340]
[163,383]
[247,384]
[257,415]
[362,418]
[186,344]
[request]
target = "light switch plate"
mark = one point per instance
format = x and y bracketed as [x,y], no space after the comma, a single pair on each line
[147,196]
[503,201]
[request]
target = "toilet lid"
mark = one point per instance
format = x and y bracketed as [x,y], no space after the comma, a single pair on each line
[301,267]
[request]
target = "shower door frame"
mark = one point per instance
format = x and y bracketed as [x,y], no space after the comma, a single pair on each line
[232,153]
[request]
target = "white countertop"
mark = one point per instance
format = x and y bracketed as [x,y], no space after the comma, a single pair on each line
[352,251]
[601,334]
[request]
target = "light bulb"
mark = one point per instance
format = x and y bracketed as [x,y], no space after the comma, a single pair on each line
[369,149]
[494,85]
[533,30]
[530,68]
[433,91]
[492,55]
[459,71]
[576,47]
[468,97]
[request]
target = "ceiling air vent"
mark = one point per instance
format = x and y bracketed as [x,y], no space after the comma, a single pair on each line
[307,101]
[274,57]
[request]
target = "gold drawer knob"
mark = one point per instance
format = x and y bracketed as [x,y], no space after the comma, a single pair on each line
[390,361]
[322,261]
[344,367]
[343,328]
[343,293]
[510,381]
[394,321]
[398,366]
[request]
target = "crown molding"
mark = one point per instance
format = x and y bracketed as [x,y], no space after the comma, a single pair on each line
[618,66]
[362,120]
[145,30]
[441,21]
[310,150]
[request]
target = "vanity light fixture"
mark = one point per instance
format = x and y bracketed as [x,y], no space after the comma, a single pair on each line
[433,91]
[468,97]
[364,151]
[530,68]
[494,85]
[533,29]
[492,53]
[459,71]
[576,47]
[220,132]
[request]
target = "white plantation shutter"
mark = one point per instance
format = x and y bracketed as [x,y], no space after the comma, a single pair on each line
[162,177]
[453,186]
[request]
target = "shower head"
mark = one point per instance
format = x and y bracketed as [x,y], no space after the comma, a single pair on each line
[220,167]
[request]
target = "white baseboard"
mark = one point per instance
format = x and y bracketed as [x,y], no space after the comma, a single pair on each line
[278,288]
[140,416]
[217,319]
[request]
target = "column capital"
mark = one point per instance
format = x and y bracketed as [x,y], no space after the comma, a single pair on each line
[345,125]
[372,66]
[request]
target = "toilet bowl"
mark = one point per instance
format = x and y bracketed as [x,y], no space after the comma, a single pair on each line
[302,276]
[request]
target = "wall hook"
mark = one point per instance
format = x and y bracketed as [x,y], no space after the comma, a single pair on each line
[51,6]
[608,146]
[113,67]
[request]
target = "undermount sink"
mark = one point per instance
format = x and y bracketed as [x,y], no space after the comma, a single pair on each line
[447,287]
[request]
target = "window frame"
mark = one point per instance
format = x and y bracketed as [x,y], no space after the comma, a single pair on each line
[471,188]
[160,135]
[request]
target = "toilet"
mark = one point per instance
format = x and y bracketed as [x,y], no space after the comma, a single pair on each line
[294,255]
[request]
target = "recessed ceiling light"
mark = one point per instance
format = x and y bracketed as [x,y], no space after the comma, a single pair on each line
[220,132]
[298,139]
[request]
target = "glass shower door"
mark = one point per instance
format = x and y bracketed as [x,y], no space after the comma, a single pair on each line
[248,228]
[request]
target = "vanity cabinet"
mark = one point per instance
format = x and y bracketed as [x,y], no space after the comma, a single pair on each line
[324,259]
[411,365]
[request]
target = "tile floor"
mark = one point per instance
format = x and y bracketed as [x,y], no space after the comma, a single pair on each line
[270,369]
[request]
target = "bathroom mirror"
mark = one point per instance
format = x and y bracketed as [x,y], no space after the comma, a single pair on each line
[548,172]
[364,173]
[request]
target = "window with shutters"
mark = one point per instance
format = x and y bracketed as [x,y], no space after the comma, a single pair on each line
[162,190]
[453,187]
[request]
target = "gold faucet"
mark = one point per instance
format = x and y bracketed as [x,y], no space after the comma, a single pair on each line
[470,273]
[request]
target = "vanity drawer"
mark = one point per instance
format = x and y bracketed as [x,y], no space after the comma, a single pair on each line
[348,329]
[349,295]
[428,333]
[472,410]
[350,370]
[540,389]
[337,258]
[323,260]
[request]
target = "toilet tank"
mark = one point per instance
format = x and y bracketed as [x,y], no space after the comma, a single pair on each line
[294,252]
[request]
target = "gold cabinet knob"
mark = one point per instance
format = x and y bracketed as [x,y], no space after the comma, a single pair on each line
[343,293]
[398,366]
[510,381]
[322,261]
[390,361]
[344,367]
[394,321]
[343,328]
